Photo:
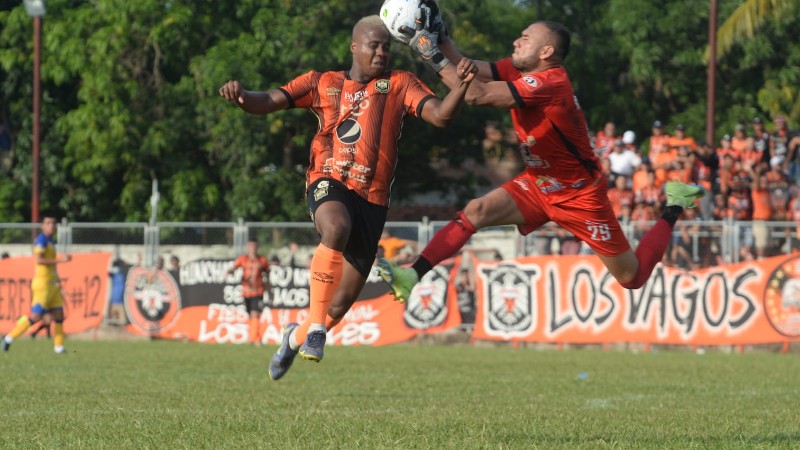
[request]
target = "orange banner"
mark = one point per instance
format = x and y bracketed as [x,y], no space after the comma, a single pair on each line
[202,303]
[573,299]
[84,288]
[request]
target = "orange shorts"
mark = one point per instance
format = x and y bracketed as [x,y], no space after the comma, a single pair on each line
[586,213]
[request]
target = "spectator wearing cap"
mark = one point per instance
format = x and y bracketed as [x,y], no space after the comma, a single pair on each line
[659,141]
[624,161]
[604,142]
[760,140]
[629,141]
[680,139]
[725,148]
[779,144]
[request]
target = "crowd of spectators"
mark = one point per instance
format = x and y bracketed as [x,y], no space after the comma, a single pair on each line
[753,176]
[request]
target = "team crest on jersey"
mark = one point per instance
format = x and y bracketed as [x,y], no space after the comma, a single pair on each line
[427,304]
[782,298]
[348,132]
[321,190]
[152,299]
[532,81]
[332,91]
[509,309]
[382,86]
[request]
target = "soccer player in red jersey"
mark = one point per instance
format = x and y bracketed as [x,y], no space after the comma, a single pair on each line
[351,169]
[562,181]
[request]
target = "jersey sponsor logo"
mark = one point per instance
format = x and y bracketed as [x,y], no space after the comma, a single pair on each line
[548,184]
[531,81]
[348,132]
[531,159]
[523,184]
[321,191]
[427,304]
[152,299]
[332,91]
[382,86]
[509,310]
[782,298]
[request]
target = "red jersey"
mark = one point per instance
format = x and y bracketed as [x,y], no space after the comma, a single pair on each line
[551,128]
[252,275]
[359,126]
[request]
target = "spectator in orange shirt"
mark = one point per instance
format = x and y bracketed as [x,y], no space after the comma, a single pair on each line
[739,140]
[604,142]
[680,139]
[392,245]
[659,141]
[725,148]
[620,197]
[762,213]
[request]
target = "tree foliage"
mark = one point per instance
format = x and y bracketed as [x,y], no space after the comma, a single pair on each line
[130,94]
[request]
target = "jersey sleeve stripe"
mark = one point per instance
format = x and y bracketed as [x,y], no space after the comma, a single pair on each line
[288,97]
[422,103]
[495,74]
[516,95]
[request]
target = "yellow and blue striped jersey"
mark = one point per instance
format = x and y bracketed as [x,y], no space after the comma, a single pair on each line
[45,246]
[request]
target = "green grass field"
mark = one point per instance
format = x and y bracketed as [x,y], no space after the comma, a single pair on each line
[185,395]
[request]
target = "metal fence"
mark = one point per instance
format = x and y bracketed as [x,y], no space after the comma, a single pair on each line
[694,244]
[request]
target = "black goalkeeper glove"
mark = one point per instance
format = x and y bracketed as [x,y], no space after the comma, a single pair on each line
[424,42]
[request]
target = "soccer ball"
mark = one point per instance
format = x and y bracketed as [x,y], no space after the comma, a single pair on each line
[399,13]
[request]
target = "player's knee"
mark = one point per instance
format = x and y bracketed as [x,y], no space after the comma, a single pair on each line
[335,233]
[628,280]
[476,211]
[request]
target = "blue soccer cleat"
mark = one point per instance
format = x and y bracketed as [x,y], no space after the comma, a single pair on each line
[284,357]
[314,346]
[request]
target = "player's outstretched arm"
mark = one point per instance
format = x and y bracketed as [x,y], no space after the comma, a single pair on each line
[254,102]
[494,94]
[431,18]
[441,112]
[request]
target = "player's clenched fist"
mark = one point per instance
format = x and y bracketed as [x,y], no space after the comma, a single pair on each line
[466,70]
[233,92]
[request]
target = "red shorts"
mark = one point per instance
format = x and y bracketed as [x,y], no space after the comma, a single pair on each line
[584,212]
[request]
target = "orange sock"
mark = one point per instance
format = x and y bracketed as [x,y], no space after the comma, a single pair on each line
[326,272]
[254,332]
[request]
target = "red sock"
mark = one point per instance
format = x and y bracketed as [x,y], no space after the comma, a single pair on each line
[449,240]
[649,252]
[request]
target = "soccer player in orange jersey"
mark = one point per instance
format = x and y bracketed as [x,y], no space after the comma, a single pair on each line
[255,281]
[562,183]
[352,162]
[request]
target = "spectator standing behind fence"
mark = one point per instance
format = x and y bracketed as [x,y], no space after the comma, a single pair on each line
[255,279]
[45,287]
[739,140]
[116,313]
[760,140]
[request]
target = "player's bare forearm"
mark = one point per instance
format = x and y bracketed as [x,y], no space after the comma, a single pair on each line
[445,111]
[259,103]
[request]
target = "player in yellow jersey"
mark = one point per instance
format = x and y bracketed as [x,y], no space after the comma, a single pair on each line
[45,287]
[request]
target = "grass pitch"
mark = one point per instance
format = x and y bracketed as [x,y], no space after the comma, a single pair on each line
[184,395]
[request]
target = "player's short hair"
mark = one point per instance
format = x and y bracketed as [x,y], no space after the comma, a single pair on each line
[48,214]
[368,21]
[562,37]
[253,240]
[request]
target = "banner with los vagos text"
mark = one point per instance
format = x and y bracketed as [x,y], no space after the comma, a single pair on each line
[201,303]
[84,289]
[573,299]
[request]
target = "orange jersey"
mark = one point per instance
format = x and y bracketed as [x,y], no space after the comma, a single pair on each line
[359,126]
[252,275]
[551,128]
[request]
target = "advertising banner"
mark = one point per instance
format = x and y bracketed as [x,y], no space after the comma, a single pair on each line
[573,299]
[84,288]
[201,303]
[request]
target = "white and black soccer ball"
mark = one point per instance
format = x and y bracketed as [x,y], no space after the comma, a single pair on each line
[399,13]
